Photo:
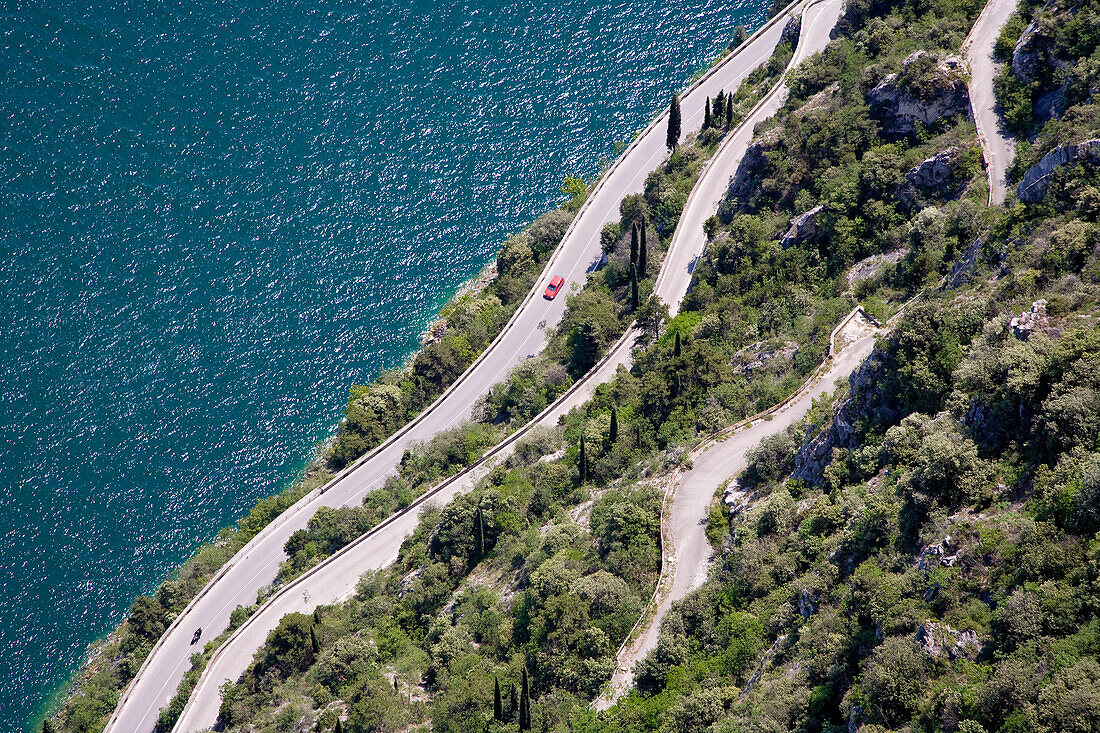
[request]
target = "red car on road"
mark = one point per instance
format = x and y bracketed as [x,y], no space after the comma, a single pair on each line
[555,285]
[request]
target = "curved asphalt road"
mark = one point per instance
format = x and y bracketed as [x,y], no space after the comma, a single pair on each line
[689,240]
[687,557]
[256,564]
[335,579]
[997,144]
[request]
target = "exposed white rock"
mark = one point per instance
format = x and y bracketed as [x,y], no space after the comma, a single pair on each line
[804,228]
[754,356]
[873,265]
[1033,187]
[1033,53]
[1034,318]
[934,171]
[941,92]
[938,639]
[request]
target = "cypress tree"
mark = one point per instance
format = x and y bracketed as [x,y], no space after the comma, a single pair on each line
[395,687]
[613,433]
[633,288]
[498,705]
[339,727]
[479,534]
[582,464]
[729,111]
[633,243]
[675,386]
[525,704]
[643,253]
[512,704]
[676,348]
[706,115]
[313,643]
[672,138]
[317,615]
[47,726]
[521,628]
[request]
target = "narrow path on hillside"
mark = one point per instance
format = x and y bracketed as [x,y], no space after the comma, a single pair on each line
[685,553]
[335,579]
[998,145]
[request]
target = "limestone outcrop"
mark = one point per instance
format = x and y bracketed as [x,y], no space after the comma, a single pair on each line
[791,30]
[754,356]
[1036,181]
[1034,60]
[871,266]
[939,639]
[1034,54]
[1051,105]
[1033,320]
[804,228]
[926,90]
[865,399]
[932,174]
[825,101]
[751,162]
[935,171]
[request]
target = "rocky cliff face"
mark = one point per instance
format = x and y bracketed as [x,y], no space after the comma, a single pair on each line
[865,398]
[791,30]
[926,90]
[1034,54]
[931,174]
[934,171]
[1033,60]
[939,639]
[1033,320]
[1033,187]
[751,162]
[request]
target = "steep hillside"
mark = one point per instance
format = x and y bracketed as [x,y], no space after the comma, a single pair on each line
[921,554]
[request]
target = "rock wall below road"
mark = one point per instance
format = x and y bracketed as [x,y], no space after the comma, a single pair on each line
[1036,181]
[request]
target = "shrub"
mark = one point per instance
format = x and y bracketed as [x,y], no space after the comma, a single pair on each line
[894,679]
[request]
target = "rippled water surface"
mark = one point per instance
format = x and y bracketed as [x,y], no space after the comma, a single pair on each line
[215,217]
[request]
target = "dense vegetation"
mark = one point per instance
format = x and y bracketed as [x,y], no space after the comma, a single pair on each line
[596,316]
[940,572]
[546,565]
[1047,85]
[937,570]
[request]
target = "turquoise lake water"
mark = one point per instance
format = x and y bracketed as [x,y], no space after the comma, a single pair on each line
[216,217]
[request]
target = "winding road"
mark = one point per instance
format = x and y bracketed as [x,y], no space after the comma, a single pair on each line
[998,145]
[256,564]
[335,579]
[685,549]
